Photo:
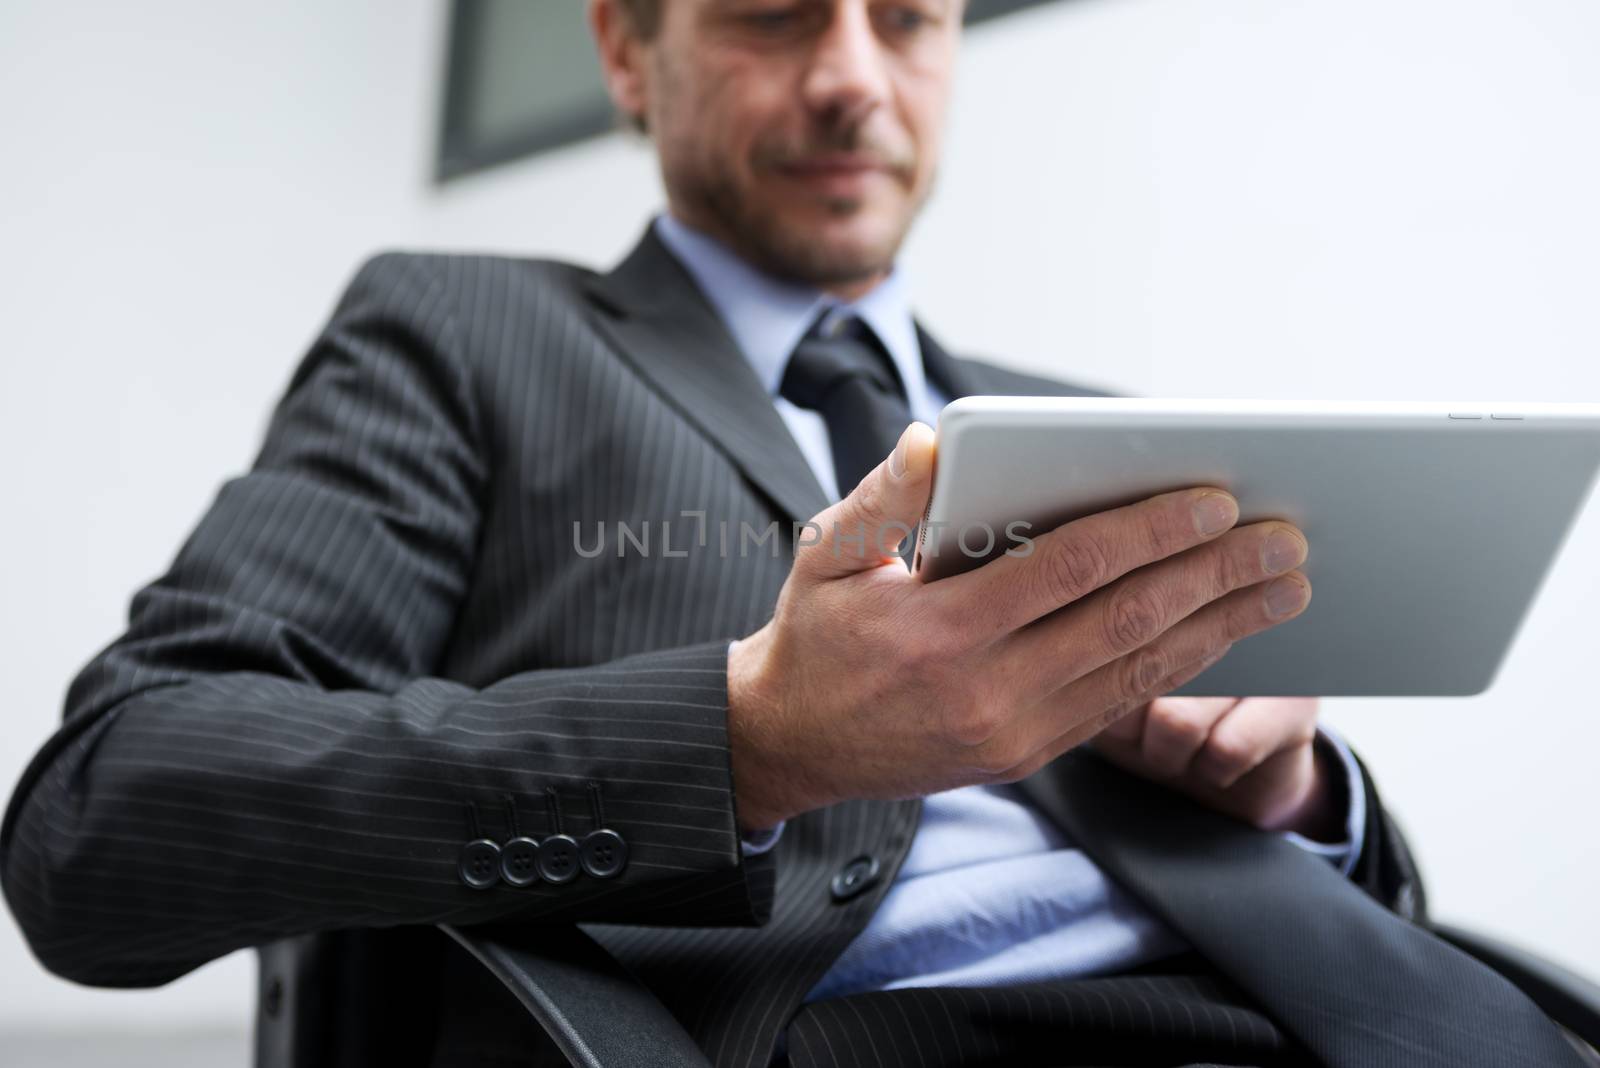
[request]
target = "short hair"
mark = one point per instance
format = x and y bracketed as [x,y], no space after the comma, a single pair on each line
[645,15]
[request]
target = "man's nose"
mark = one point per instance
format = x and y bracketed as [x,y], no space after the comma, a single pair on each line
[847,76]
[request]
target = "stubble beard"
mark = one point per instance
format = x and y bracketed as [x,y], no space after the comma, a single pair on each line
[764,236]
[790,249]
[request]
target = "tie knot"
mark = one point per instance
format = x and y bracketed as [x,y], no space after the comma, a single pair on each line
[833,354]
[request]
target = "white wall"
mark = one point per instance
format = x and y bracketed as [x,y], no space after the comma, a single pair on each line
[1249,197]
[1367,199]
[184,188]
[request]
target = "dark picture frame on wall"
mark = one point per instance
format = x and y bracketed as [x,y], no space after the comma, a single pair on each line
[521,78]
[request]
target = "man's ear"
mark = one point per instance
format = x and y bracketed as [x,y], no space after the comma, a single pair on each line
[622,56]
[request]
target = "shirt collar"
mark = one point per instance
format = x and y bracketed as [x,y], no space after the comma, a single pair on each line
[768,316]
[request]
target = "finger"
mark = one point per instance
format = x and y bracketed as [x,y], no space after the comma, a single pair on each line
[1126,682]
[1070,562]
[1253,732]
[863,530]
[1116,621]
[1264,796]
[1176,729]
[1099,727]
[1130,727]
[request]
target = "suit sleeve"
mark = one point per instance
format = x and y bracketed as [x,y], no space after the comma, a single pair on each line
[267,750]
[1385,869]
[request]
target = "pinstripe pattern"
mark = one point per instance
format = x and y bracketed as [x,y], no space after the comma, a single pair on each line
[386,619]
[1145,1019]
[727,986]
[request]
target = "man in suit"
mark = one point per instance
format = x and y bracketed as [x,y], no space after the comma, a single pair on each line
[555,596]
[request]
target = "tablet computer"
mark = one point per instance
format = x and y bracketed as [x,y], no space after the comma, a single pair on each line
[1431,526]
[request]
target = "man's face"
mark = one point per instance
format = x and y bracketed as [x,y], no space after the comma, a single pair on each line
[803,133]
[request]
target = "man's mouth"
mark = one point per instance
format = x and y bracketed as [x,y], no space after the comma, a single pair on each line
[835,173]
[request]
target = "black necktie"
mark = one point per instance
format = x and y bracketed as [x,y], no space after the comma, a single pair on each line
[1358,985]
[845,374]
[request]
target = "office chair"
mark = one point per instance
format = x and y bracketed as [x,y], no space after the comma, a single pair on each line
[600,1016]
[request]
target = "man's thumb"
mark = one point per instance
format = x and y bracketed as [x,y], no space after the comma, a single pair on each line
[865,529]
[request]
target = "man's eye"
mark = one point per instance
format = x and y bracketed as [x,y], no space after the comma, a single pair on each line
[771,21]
[902,20]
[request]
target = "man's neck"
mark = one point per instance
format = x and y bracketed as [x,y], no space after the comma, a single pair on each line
[848,291]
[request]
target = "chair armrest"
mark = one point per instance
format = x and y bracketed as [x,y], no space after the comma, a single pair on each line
[598,1014]
[1566,997]
[290,1018]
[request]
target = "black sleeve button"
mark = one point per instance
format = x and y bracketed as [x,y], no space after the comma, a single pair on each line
[519,862]
[856,877]
[603,854]
[479,864]
[558,859]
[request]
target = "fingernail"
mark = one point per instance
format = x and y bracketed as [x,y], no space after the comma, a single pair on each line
[1281,552]
[897,459]
[1214,513]
[1284,597]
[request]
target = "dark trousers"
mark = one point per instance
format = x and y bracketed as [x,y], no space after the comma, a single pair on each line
[1176,1013]
[1173,1012]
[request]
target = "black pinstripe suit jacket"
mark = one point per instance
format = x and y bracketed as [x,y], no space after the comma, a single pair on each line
[388,618]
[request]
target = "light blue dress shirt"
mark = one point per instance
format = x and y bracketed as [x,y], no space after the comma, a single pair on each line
[992,892]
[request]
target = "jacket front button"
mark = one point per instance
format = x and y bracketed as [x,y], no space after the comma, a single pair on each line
[479,864]
[856,877]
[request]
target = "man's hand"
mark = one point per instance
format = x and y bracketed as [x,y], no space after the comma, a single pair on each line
[869,683]
[1254,759]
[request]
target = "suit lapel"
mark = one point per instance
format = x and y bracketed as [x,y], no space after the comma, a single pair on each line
[956,378]
[663,325]
[665,328]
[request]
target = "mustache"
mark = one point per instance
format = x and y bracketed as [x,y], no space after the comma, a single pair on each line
[784,150]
